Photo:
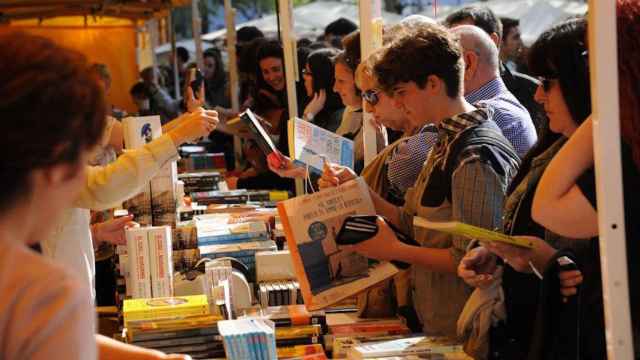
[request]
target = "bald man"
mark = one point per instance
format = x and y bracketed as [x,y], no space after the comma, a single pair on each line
[483,85]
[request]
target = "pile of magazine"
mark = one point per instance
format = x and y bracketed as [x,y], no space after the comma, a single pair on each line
[181,325]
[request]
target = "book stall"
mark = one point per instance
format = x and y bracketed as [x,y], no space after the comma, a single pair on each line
[256,274]
[217,271]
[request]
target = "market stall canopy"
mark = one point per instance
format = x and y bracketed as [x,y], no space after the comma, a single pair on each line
[309,19]
[535,16]
[11,10]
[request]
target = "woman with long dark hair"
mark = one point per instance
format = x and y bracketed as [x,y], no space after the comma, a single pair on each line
[325,107]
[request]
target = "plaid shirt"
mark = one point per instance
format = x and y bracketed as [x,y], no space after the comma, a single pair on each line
[510,116]
[407,159]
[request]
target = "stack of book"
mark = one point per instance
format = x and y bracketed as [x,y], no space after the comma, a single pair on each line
[156,203]
[149,270]
[295,326]
[203,162]
[248,339]
[185,247]
[346,330]
[173,325]
[201,181]
[278,293]
[221,235]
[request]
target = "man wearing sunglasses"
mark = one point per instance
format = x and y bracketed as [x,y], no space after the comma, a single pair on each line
[397,167]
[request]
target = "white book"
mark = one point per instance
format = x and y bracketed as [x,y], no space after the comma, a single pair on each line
[310,145]
[161,261]
[274,265]
[403,347]
[139,267]
[264,297]
[140,130]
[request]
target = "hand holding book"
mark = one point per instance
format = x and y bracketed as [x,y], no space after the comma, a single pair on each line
[335,175]
[523,259]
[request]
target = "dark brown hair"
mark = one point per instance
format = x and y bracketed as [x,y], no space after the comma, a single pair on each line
[52,108]
[628,14]
[416,54]
[351,54]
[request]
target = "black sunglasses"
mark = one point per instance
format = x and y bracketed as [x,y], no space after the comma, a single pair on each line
[371,96]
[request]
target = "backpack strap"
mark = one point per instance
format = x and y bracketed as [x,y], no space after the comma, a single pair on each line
[481,135]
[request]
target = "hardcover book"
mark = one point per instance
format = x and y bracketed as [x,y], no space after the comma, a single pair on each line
[311,145]
[327,273]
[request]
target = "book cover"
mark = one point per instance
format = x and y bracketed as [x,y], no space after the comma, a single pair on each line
[161,261]
[404,347]
[310,145]
[261,136]
[163,196]
[294,332]
[274,265]
[470,231]
[326,273]
[140,130]
[139,266]
[162,308]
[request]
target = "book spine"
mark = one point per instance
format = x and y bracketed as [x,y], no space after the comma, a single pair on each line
[139,267]
[142,337]
[232,238]
[161,261]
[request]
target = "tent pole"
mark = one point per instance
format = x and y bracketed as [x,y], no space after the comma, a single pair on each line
[196,26]
[234,81]
[288,39]
[174,55]
[606,140]
[370,39]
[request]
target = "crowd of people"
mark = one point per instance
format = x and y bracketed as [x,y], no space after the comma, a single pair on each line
[462,135]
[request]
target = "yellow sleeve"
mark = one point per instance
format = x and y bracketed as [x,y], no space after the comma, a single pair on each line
[118,181]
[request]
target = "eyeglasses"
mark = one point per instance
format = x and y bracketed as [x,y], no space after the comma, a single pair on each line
[307,72]
[371,96]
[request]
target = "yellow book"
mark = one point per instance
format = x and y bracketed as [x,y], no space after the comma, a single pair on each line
[294,332]
[299,350]
[470,231]
[162,308]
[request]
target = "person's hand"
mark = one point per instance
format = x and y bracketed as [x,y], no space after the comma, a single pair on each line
[334,175]
[176,357]
[193,103]
[569,282]
[192,126]
[384,246]
[478,267]
[520,257]
[112,231]
[286,168]
[316,104]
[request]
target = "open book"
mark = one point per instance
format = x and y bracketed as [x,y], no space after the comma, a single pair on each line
[470,231]
[311,145]
[326,273]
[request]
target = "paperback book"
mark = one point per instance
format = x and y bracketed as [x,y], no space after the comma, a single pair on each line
[471,232]
[311,145]
[327,273]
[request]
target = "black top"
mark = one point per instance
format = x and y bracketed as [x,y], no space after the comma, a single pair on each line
[631,183]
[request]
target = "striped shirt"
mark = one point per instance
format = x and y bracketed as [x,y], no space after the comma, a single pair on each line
[510,116]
